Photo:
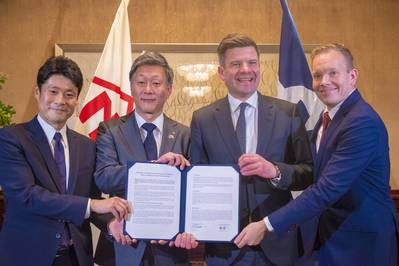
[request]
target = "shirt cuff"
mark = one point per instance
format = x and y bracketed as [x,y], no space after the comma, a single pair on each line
[268,224]
[87,214]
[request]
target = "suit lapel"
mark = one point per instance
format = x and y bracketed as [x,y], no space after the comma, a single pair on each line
[266,116]
[224,123]
[40,140]
[169,136]
[130,137]
[332,128]
[73,148]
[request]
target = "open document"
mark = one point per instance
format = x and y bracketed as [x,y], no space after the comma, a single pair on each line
[202,200]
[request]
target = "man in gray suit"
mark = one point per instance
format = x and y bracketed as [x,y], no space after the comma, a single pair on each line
[266,138]
[146,134]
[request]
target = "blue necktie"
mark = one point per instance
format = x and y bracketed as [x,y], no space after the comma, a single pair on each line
[59,156]
[248,192]
[241,128]
[150,145]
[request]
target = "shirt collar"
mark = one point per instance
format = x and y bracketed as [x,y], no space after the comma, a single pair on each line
[334,110]
[50,131]
[158,122]
[234,102]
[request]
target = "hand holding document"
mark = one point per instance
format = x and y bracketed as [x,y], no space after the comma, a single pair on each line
[200,200]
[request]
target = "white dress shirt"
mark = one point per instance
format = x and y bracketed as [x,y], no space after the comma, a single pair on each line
[251,119]
[158,131]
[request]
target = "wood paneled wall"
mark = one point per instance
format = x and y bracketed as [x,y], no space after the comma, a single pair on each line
[29,30]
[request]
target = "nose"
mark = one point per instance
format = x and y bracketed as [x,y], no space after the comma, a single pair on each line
[325,79]
[60,99]
[244,67]
[148,87]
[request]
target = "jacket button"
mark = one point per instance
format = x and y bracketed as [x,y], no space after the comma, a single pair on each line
[58,235]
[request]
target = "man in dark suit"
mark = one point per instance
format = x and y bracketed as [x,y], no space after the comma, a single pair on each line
[357,218]
[266,138]
[46,172]
[127,139]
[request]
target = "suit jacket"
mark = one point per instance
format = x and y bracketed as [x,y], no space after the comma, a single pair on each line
[282,139]
[119,141]
[357,221]
[36,210]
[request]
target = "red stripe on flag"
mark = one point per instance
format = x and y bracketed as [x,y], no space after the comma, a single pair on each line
[108,85]
[96,104]
[93,134]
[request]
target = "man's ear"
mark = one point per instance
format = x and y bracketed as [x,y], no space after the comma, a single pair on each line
[37,92]
[354,73]
[169,89]
[221,72]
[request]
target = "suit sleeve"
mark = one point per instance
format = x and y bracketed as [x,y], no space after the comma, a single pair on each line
[297,168]
[355,149]
[110,174]
[197,152]
[22,188]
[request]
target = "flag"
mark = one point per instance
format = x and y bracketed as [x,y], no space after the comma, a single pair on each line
[108,95]
[295,79]
[295,85]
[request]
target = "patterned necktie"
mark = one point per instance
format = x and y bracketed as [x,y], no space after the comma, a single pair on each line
[59,157]
[241,127]
[326,122]
[150,145]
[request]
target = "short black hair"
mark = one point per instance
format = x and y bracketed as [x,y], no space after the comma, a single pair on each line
[60,65]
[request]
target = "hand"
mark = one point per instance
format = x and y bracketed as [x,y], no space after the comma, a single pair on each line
[251,235]
[120,208]
[116,230]
[158,242]
[254,164]
[174,159]
[184,240]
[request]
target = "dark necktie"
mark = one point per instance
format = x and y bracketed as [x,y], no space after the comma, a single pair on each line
[59,156]
[247,195]
[241,128]
[326,122]
[150,145]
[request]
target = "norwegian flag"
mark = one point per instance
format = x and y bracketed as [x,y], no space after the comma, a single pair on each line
[295,79]
[108,95]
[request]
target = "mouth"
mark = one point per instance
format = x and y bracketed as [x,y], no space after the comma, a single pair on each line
[326,91]
[59,110]
[245,79]
[145,100]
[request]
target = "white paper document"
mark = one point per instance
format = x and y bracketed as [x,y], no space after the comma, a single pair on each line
[212,203]
[154,191]
[202,200]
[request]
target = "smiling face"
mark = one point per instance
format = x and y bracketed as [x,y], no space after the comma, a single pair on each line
[56,99]
[333,79]
[150,91]
[240,71]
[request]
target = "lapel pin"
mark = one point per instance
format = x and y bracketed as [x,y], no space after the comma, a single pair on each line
[172,136]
